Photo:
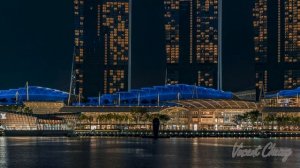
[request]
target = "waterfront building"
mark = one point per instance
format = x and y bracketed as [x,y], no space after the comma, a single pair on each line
[24,121]
[193,42]
[101,47]
[276,43]
[285,101]
[189,108]
[283,109]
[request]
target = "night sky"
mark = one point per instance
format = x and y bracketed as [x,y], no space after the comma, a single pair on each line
[36,43]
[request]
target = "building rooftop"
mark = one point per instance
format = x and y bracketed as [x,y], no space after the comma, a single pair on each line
[35,93]
[285,93]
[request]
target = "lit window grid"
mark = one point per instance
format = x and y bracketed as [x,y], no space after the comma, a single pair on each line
[172,30]
[291,79]
[205,79]
[206,31]
[116,26]
[260,25]
[262,80]
[292,31]
[114,80]
[79,42]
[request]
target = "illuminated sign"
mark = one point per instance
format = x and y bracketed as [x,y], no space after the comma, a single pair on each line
[2,116]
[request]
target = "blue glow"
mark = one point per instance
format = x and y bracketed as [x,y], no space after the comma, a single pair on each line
[149,96]
[36,93]
[285,93]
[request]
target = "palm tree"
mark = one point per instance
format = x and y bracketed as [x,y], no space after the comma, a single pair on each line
[238,119]
[90,119]
[296,121]
[270,119]
[81,118]
[139,114]
[100,119]
[253,117]
[164,119]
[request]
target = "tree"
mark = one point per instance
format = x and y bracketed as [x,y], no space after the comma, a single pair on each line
[253,117]
[138,113]
[82,118]
[164,118]
[270,119]
[90,119]
[238,119]
[296,122]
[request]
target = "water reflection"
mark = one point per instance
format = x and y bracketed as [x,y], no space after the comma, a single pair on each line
[137,152]
[3,153]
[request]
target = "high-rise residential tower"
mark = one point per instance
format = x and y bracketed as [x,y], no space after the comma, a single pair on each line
[101,46]
[193,42]
[277,44]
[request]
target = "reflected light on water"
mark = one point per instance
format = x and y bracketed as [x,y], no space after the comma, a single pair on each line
[3,153]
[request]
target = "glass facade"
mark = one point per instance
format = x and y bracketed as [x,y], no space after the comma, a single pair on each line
[79,43]
[291,20]
[115,16]
[191,37]
[276,44]
[260,30]
[101,43]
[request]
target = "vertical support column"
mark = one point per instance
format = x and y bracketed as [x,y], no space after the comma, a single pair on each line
[130,49]
[214,118]
[220,25]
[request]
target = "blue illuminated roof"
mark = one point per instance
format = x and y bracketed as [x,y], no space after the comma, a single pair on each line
[151,95]
[36,93]
[285,93]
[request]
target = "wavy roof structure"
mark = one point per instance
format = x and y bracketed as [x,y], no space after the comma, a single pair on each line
[154,95]
[35,93]
[285,93]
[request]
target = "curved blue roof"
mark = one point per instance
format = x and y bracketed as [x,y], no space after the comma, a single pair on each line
[151,95]
[285,93]
[36,93]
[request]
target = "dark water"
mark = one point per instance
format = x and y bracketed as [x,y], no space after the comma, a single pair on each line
[34,152]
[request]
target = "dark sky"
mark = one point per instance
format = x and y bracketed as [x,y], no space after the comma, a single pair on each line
[36,42]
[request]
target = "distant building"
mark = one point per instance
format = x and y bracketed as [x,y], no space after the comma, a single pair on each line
[193,42]
[102,47]
[276,44]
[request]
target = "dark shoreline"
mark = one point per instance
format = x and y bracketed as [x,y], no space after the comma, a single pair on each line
[148,134]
